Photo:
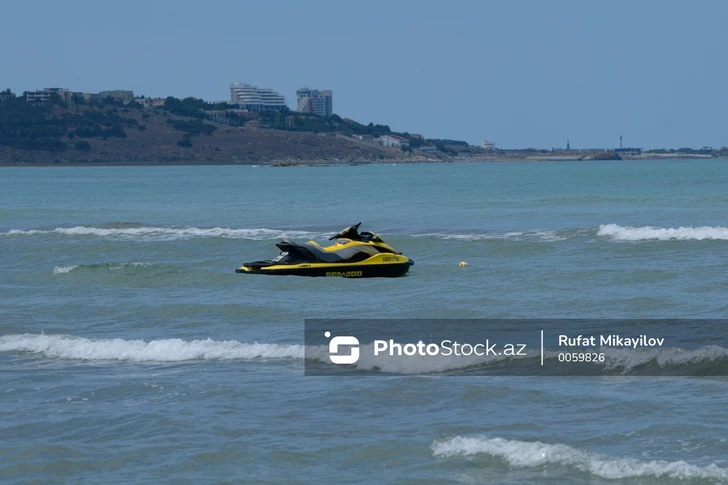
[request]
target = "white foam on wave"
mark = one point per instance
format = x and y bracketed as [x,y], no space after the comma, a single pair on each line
[628,359]
[64,269]
[646,233]
[531,454]
[170,233]
[21,232]
[164,350]
[114,267]
[110,266]
[514,235]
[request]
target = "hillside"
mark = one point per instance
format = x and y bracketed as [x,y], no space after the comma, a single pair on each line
[111,133]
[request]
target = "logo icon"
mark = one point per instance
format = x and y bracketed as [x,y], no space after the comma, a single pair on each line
[343,341]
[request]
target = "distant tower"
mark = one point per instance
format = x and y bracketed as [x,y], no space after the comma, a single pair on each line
[568,147]
[620,142]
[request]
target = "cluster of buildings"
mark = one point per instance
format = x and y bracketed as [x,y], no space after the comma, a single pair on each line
[71,97]
[250,98]
[253,98]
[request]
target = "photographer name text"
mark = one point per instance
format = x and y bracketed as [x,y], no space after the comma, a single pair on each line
[610,340]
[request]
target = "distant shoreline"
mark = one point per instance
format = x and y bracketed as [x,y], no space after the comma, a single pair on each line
[323,163]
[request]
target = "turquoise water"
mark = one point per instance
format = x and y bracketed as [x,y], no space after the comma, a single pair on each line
[131,352]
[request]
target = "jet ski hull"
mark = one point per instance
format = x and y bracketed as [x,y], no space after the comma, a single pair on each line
[345,270]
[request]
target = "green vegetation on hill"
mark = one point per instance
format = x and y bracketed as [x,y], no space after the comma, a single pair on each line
[194,108]
[287,120]
[24,125]
[40,126]
[444,141]
[295,121]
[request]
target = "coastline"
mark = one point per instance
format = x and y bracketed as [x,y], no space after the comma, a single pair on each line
[158,137]
[327,162]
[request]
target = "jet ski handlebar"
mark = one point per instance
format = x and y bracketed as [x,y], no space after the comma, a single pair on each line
[347,233]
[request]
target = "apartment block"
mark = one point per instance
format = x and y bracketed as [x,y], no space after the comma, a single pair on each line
[254,98]
[315,102]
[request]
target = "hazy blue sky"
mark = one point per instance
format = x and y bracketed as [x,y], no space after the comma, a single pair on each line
[520,73]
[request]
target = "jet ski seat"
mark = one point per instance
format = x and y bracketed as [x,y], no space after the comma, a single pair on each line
[338,256]
[314,250]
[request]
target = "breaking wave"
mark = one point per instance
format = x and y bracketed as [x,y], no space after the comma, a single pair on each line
[514,235]
[613,231]
[646,233]
[178,350]
[629,360]
[621,361]
[531,454]
[64,269]
[169,233]
[164,350]
[109,266]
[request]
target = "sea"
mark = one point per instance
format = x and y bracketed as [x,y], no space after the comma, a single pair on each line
[131,351]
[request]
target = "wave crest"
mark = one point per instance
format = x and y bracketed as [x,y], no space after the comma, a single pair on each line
[647,233]
[531,454]
[666,358]
[164,350]
[64,269]
[513,235]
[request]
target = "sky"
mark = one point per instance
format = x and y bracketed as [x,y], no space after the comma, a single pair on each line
[519,73]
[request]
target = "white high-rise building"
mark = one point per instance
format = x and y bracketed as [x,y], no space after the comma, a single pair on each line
[316,102]
[255,98]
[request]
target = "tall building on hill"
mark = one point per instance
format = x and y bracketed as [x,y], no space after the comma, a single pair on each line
[315,102]
[256,99]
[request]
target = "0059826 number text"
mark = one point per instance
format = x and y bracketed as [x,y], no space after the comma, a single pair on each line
[581,357]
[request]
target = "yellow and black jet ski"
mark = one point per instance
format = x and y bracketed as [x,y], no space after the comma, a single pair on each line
[354,255]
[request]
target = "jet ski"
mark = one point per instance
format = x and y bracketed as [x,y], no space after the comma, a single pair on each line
[354,255]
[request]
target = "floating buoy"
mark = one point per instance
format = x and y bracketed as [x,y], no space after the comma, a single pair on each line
[463,264]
